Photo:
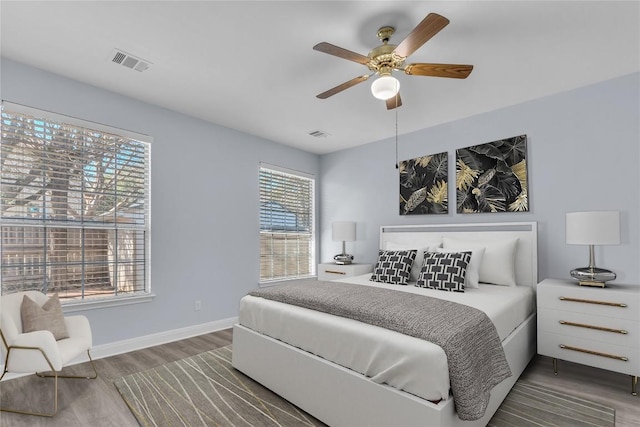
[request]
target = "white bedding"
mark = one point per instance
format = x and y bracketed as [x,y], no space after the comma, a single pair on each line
[410,364]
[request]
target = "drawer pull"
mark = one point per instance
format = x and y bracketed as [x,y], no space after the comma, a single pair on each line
[588,301]
[335,272]
[599,328]
[595,353]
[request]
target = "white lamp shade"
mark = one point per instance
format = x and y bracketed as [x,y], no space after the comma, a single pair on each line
[593,228]
[385,87]
[343,231]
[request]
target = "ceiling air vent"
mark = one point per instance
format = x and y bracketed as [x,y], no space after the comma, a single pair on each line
[319,133]
[127,60]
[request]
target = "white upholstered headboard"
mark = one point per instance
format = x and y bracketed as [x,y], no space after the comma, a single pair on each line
[526,256]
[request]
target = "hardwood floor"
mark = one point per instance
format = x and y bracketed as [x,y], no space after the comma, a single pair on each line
[97,403]
[608,388]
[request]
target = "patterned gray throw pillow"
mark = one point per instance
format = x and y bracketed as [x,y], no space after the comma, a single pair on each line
[393,267]
[444,271]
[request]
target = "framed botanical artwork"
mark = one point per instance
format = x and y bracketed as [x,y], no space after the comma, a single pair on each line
[423,185]
[492,177]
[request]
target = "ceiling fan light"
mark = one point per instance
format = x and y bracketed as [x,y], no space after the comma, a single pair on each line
[385,87]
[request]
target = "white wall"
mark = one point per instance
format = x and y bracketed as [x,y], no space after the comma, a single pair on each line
[204,202]
[583,154]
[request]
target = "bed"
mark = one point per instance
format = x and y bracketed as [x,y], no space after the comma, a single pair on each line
[309,357]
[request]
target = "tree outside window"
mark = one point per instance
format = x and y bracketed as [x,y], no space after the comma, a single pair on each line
[73,206]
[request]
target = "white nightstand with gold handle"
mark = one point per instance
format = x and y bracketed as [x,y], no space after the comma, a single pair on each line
[598,327]
[330,271]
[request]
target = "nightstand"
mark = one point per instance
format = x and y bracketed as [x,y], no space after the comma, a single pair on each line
[330,271]
[590,326]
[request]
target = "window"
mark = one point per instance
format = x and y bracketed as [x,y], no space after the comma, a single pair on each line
[287,240]
[74,206]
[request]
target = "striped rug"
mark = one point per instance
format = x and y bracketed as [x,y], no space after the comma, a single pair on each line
[204,390]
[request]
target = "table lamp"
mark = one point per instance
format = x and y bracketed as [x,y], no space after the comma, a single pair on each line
[344,231]
[593,228]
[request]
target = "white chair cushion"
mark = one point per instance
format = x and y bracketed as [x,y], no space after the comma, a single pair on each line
[29,361]
[59,352]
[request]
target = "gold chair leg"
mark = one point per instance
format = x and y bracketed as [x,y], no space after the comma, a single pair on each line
[78,377]
[634,385]
[40,414]
[55,376]
[555,366]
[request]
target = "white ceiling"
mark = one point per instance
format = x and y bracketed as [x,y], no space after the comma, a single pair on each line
[250,65]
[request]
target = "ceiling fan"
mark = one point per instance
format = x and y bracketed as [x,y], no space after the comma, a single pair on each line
[386,58]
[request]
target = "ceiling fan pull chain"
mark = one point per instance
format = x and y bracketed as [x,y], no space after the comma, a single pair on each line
[396,109]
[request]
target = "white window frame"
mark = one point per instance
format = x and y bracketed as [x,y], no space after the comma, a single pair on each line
[312,221]
[136,227]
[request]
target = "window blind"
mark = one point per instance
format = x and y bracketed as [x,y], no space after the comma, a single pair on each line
[286,225]
[74,206]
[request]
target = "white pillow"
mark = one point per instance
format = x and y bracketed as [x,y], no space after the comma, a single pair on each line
[498,263]
[473,269]
[416,267]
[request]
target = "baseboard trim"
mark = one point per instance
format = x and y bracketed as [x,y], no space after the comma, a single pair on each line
[138,343]
[125,346]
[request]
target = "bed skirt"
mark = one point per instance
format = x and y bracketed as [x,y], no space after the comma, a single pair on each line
[341,397]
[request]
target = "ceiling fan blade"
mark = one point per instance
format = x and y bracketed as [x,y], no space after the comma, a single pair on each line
[343,86]
[394,102]
[456,71]
[429,27]
[341,53]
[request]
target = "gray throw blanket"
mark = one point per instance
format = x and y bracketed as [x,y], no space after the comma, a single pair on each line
[468,337]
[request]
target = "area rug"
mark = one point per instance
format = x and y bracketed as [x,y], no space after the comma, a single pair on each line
[529,404]
[205,390]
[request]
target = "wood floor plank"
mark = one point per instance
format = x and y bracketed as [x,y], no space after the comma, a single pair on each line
[605,387]
[97,403]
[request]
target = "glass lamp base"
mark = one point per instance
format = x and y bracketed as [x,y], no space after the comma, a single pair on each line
[343,259]
[592,276]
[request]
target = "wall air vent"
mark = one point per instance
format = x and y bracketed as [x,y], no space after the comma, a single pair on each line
[319,133]
[127,60]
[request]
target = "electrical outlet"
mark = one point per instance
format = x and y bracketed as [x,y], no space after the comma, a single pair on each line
[198,305]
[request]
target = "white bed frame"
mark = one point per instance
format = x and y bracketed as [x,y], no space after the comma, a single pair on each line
[341,397]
